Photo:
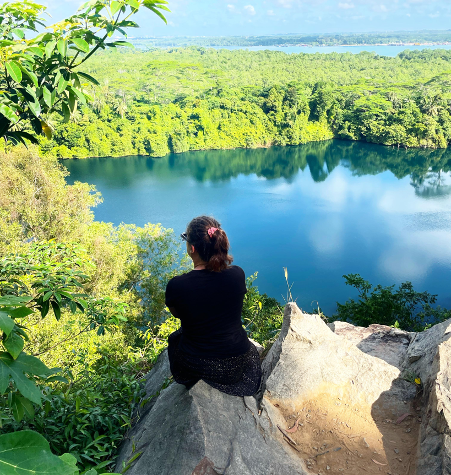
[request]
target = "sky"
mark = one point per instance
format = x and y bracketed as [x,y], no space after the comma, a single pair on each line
[271,17]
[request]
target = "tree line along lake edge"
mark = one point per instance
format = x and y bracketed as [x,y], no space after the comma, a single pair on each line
[171,101]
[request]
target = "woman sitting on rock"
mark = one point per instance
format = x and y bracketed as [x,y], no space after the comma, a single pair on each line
[211,344]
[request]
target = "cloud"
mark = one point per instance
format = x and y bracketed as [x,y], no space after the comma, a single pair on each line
[285,3]
[434,15]
[380,8]
[231,8]
[345,5]
[270,12]
[249,9]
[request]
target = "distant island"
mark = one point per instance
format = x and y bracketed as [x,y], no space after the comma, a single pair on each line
[395,38]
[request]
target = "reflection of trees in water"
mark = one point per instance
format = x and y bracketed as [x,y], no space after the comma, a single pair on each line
[431,185]
[426,167]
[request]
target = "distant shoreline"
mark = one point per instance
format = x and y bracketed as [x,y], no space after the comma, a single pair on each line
[358,45]
[288,45]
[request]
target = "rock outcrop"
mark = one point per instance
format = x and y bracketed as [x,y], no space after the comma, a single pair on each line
[334,399]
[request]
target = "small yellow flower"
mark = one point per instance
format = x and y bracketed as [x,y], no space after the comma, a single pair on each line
[417,381]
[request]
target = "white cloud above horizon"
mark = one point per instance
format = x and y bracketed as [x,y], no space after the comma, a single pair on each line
[249,9]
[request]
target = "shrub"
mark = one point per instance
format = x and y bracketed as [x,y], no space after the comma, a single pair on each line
[262,315]
[89,418]
[402,308]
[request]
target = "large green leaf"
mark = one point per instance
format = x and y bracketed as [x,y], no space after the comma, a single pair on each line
[14,344]
[79,94]
[62,83]
[115,7]
[14,70]
[20,312]
[121,43]
[6,323]
[27,406]
[18,32]
[56,309]
[72,101]
[47,96]
[36,50]
[89,78]
[20,136]
[62,47]
[81,44]
[32,76]
[17,370]
[8,113]
[35,107]
[13,301]
[133,3]
[28,453]
[17,408]
[49,47]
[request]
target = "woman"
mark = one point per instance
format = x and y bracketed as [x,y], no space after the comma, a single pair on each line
[211,344]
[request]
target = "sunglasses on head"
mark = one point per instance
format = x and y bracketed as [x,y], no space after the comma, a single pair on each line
[184,236]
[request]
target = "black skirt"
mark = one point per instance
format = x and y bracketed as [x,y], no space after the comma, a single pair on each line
[236,375]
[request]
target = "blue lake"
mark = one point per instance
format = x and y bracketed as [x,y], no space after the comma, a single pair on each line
[322,210]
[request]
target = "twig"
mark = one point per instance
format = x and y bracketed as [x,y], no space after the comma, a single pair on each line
[62,341]
[350,450]
[327,451]
[286,435]
[348,436]
[408,467]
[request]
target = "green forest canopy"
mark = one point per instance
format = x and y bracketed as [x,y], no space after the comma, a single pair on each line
[181,99]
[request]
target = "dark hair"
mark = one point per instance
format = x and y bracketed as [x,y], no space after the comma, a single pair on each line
[212,247]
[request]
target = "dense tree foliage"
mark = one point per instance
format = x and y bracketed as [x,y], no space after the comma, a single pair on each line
[42,75]
[120,324]
[403,307]
[157,102]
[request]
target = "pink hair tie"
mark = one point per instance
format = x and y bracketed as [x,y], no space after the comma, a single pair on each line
[211,231]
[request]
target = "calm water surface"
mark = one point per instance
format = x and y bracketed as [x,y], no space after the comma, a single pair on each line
[322,210]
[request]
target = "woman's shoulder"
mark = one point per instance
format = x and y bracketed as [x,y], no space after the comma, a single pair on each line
[235,272]
[178,279]
[236,269]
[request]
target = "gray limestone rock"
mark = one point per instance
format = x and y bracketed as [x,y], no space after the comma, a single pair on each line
[308,358]
[434,452]
[423,349]
[205,432]
[386,343]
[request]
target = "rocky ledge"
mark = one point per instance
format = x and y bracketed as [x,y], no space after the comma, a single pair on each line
[334,399]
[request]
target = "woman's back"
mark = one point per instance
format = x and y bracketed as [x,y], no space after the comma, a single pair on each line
[211,344]
[209,306]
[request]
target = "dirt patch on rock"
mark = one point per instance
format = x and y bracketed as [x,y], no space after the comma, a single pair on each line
[334,436]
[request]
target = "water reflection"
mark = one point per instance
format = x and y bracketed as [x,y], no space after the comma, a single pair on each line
[322,210]
[425,167]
